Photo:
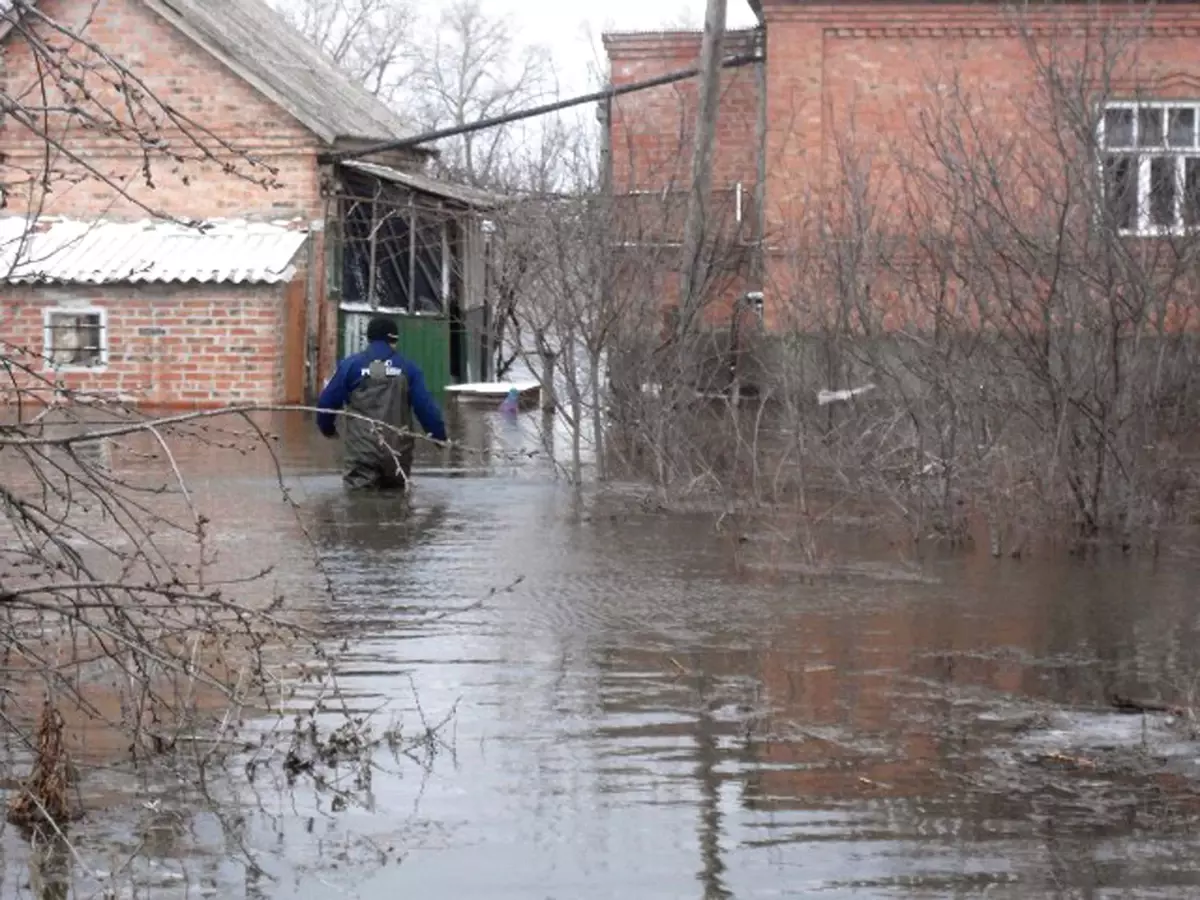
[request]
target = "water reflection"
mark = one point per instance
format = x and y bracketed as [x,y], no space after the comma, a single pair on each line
[366,522]
[637,718]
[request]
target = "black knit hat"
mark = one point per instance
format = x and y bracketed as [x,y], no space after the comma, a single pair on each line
[382,328]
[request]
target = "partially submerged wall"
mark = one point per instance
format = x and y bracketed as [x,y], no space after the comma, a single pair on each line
[199,346]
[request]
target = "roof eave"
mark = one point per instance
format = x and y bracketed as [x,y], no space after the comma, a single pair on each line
[35,281]
[7,24]
[461,195]
[65,251]
[423,149]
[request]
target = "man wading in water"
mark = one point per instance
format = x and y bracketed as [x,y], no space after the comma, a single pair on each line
[382,386]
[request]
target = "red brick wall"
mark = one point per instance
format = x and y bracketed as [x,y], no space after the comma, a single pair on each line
[865,75]
[195,346]
[863,87]
[651,138]
[652,129]
[178,73]
[855,82]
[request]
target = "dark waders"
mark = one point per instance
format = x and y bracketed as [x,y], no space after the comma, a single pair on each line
[377,456]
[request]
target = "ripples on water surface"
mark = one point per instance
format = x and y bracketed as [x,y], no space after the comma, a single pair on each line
[636,720]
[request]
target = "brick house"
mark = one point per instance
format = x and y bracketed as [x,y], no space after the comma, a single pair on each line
[105,293]
[647,146]
[866,87]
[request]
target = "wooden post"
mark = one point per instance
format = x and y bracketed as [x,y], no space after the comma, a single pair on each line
[758,260]
[711,49]
[314,300]
[549,401]
[605,114]
[374,248]
[334,271]
[295,333]
[412,254]
[484,230]
[446,261]
[607,288]
[758,266]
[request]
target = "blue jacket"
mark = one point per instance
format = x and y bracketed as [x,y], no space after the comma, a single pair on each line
[348,375]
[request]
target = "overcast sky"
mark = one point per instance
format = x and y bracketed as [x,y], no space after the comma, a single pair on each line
[563,25]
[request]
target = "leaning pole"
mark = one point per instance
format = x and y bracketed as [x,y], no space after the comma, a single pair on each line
[691,268]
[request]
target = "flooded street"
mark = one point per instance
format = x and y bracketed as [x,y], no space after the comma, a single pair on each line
[635,716]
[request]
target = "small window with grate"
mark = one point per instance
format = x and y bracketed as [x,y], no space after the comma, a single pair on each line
[76,338]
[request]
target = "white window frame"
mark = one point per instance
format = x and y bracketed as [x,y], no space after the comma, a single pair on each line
[48,315]
[1144,155]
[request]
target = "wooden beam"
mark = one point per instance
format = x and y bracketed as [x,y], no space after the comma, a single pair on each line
[412,254]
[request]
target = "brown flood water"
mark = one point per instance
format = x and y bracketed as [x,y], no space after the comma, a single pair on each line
[636,719]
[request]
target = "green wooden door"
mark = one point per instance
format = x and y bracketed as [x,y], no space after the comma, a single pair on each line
[425,340]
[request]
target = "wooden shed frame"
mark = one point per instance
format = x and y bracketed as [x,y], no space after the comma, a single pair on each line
[403,244]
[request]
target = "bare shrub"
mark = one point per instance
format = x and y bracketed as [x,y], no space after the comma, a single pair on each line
[154,635]
[1017,358]
[1039,353]
[141,633]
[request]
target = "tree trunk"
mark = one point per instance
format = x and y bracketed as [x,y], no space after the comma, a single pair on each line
[597,412]
[572,380]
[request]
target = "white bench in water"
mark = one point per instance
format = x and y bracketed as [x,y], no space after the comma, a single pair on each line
[494,391]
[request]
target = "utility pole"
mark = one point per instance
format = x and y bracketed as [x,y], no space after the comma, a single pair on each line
[692,272]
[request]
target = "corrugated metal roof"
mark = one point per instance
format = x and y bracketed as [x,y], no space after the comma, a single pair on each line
[70,251]
[259,45]
[457,193]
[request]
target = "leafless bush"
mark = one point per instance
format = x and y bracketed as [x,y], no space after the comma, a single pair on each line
[589,276]
[139,631]
[1020,359]
[1033,357]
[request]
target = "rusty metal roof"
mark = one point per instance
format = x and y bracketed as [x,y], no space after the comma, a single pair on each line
[72,251]
[258,45]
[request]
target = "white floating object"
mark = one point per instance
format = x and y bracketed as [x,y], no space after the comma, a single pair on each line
[826,397]
[491,392]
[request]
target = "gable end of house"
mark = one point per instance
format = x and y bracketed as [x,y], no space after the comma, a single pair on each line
[260,48]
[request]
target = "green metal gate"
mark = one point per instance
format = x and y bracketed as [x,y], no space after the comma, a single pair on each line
[425,340]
